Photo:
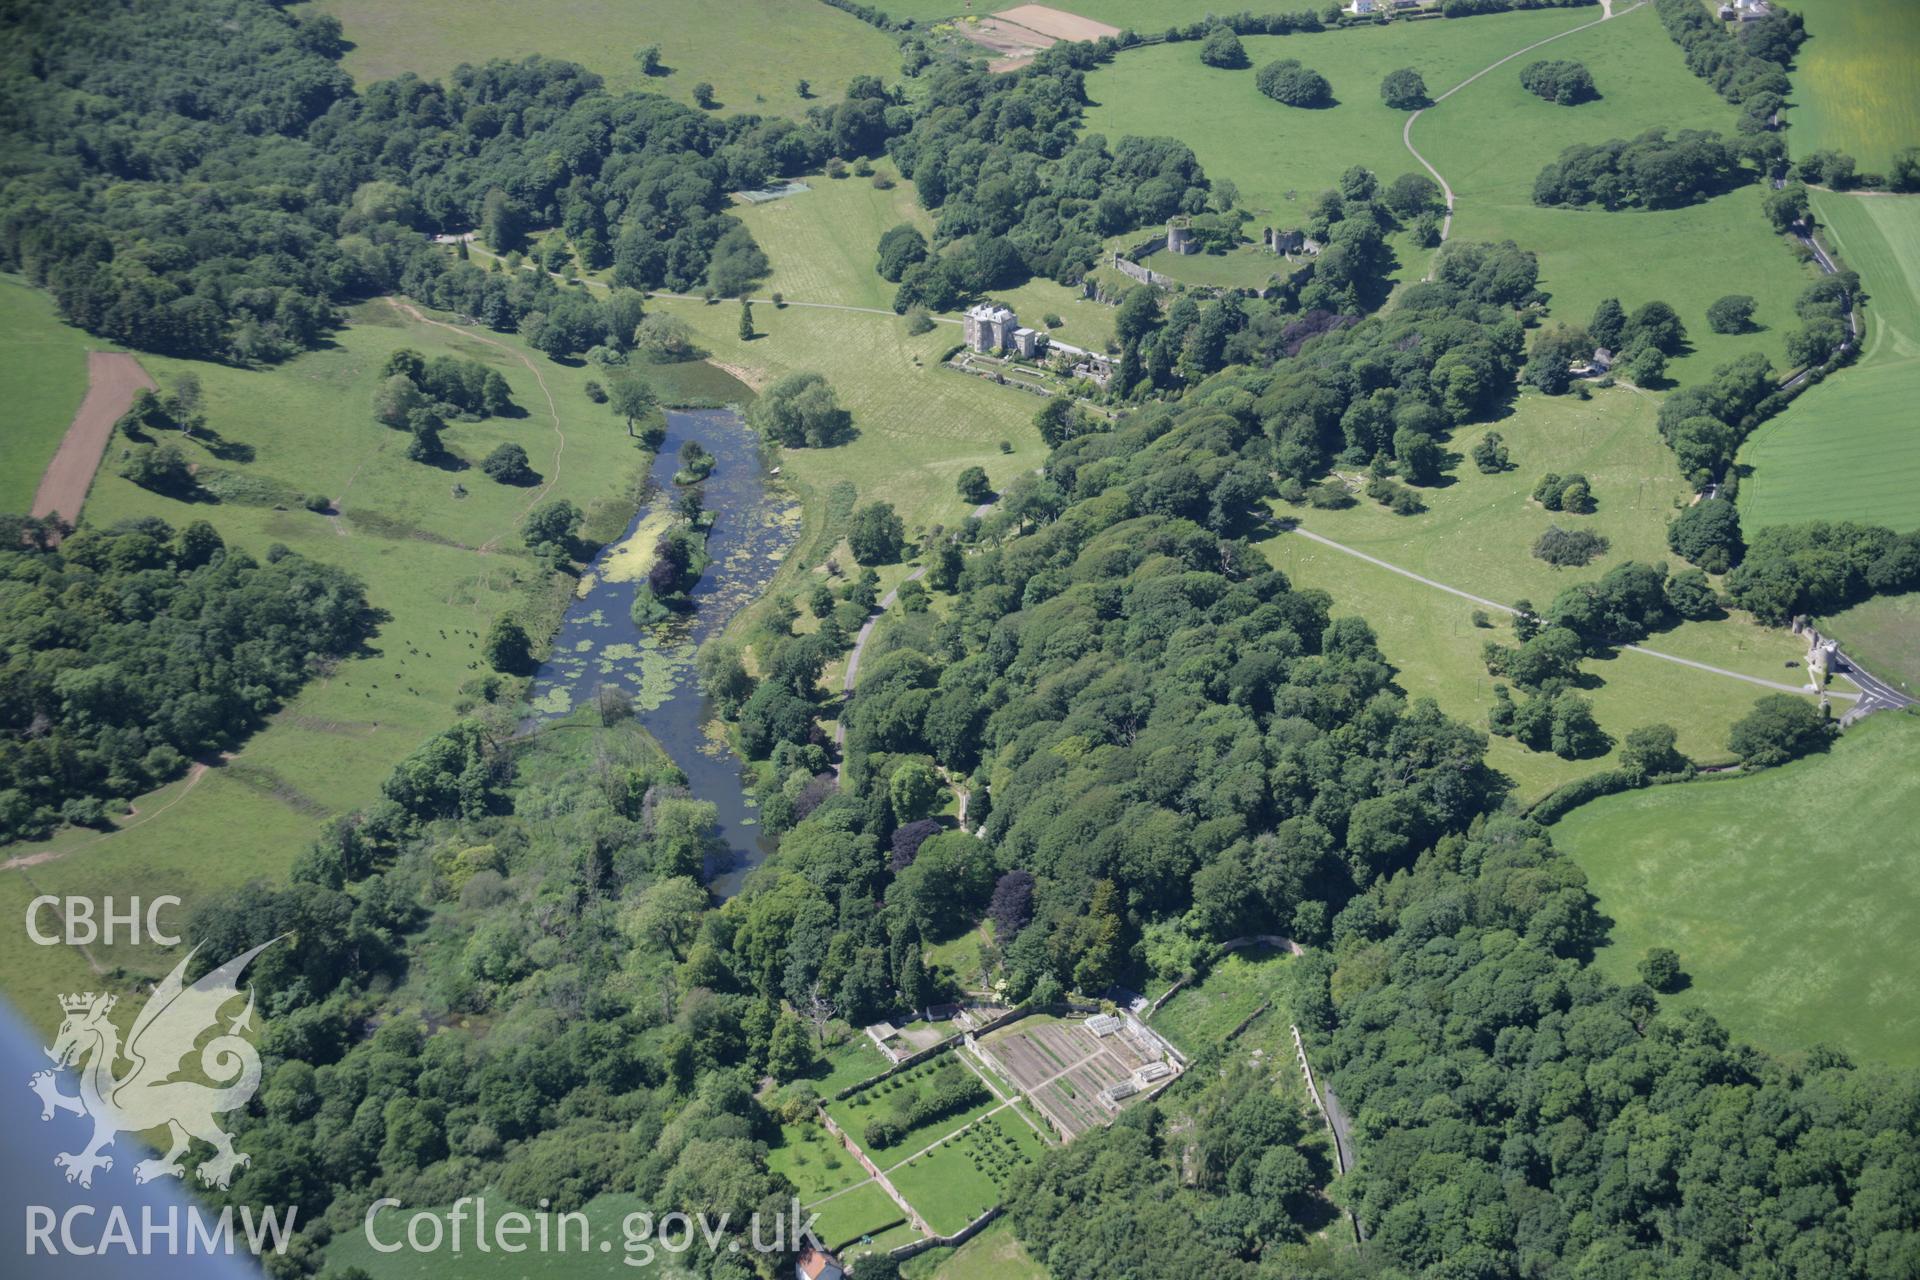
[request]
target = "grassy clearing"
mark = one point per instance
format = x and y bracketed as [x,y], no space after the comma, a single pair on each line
[1268,149]
[813,1161]
[43,377]
[1788,895]
[1202,1013]
[1857,81]
[961,954]
[1884,634]
[1477,536]
[1492,139]
[995,1254]
[965,1176]
[697,43]
[865,1210]
[822,244]
[919,425]
[1435,647]
[848,1063]
[403,532]
[852,1114]
[1846,449]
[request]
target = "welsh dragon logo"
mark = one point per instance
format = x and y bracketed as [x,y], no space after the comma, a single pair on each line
[147,1095]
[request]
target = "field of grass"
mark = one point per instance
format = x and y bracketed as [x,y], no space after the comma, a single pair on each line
[865,1210]
[848,1063]
[697,43]
[1492,139]
[962,1178]
[995,1254]
[403,531]
[961,954]
[822,244]
[1477,536]
[1202,1013]
[1847,449]
[1857,80]
[919,425]
[1788,895]
[1268,149]
[1246,267]
[813,1161]
[852,1114]
[1884,635]
[43,375]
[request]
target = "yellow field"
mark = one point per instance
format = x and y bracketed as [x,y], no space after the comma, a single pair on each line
[1857,80]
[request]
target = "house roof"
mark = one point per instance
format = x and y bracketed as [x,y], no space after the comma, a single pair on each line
[815,1263]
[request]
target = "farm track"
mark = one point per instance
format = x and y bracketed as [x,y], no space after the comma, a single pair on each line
[113,379]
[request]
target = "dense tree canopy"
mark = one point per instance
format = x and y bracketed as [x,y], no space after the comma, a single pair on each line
[223,186]
[129,650]
[1567,83]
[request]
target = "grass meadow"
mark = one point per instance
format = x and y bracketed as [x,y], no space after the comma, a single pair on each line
[1884,634]
[1856,81]
[865,1210]
[1268,149]
[995,1254]
[697,43]
[1847,449]
[1493,137]
[1201,1013]
[965,1176]
[822,244]
[1477,535]
[309,427]
[1490,140]
[1789,895]
[920,425]
[813,1161]
[43,377]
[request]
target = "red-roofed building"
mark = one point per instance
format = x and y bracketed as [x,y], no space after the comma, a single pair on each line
[817,1264]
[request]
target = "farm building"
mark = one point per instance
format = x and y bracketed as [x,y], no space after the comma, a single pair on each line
[1150,1072]
[989,328]
[1103,1024]
[1117,1092]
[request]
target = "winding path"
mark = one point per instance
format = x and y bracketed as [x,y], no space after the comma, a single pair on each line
[1607,14]
[1509,609]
